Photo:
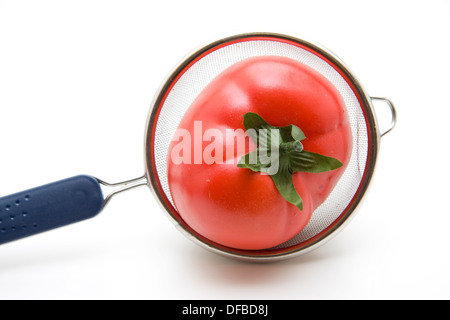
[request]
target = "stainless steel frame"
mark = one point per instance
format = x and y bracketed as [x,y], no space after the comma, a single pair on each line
[278,254]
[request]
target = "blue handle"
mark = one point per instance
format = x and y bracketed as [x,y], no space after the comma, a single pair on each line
[48,207]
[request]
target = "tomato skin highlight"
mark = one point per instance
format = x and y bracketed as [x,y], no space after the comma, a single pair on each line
[237,207]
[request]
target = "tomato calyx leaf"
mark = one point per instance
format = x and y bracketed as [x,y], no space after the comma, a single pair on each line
[280,154]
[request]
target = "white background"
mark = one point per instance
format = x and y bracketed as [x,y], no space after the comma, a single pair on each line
[76,82]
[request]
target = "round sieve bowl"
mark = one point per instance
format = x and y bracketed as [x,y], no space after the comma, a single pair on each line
[82,197]
[194,73]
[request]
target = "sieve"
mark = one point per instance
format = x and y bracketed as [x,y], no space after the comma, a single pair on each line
[82,197]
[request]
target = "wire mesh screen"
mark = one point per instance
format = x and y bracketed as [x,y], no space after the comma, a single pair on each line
[202,72]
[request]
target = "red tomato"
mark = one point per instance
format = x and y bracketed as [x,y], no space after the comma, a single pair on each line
[235,206]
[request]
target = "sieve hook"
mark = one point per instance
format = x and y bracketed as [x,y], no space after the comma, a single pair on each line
[393,114]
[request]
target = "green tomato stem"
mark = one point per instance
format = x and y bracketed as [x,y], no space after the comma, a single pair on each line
[292,146]
[292,157]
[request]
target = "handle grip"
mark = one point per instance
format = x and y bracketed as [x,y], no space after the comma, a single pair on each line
[48,207]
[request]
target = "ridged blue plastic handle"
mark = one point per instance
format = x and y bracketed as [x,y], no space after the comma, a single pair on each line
[48,207]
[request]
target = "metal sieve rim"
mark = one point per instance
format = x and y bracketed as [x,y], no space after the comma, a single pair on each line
[270,254]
